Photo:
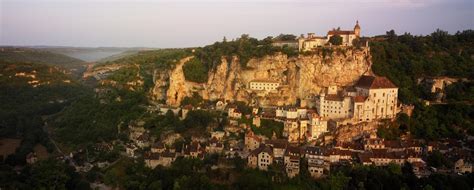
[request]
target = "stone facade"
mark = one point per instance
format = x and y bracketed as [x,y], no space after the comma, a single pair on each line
[312,41]
[371,98]
[266,85]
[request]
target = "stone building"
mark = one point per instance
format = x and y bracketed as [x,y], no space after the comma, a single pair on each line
[260,158]
[348,36]
[377,99]
[372,98]
[289,43]
[252,141]
[317,126]
[266,85]
[462,166]
[312,41]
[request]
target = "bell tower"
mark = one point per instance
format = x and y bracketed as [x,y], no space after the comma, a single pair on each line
[357,29]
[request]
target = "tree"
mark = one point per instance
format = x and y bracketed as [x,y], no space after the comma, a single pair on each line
[285,37]
[335,40]
[436,159]
[194,70]
[338,181]
[391,36]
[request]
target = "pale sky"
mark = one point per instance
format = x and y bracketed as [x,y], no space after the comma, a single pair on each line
[189,23]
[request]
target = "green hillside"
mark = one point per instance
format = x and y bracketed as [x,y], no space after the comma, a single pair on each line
[36,56]
[28,92]
[406,58]
[27,55]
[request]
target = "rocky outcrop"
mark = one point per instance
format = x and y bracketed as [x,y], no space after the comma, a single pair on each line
[299,77]
[178,88]
[160,78]
[92,71]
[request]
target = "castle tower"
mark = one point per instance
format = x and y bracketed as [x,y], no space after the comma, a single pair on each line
[357,29]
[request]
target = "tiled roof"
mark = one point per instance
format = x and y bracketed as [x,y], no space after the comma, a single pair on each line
[158,145]
[291,150]
[340,32]
[373,82]
[262,148]
[278,143]
[311,150]
[333,97]
[360,98]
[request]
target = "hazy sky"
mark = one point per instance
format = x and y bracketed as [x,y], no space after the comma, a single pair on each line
[185,23]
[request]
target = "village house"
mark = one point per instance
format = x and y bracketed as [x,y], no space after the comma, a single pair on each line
[165,158]
[252,141]
[283,43]
[314,154]
[380,99]
[279,148]
[334,155]
[292,161]
[462,166]
[317,126]
[382,157]
[193,150]
[131,149]
[158,147]
[318,169]
[256,121]
[291,130]
[219,135]
[332,104]
[143,140]
[234,113]
[374,143]
[151,159]
[214,147]
[260,158]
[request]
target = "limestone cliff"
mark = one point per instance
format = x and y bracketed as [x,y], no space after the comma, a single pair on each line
[178,87]
[299,77]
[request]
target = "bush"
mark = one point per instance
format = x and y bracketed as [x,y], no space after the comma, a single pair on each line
[335,40]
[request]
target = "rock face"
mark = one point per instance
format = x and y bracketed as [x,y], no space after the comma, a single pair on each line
[178,88]
[299,77]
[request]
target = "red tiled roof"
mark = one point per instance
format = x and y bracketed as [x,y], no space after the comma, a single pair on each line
[333,97]
[360,98]
[340,32]
[373,82]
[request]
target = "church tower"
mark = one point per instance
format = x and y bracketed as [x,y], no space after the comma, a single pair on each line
[357,29]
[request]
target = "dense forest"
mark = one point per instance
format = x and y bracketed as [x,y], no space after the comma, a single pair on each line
[23,105]
[405,59]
